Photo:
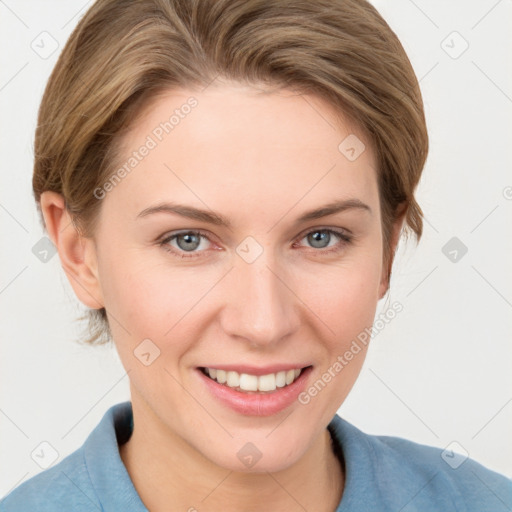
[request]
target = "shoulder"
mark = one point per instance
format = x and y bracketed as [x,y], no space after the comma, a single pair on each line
[55,488]
[414,476]
[91,478]
[469,482]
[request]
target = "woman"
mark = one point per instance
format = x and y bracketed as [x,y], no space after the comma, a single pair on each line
[226,183]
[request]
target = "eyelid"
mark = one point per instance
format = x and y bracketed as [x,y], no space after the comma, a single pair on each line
[337,230]
[301,235]
[171,235]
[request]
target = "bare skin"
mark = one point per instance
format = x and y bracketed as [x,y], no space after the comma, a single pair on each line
[261,161]
[214,488]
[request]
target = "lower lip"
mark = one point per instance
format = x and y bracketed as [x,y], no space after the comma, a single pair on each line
[257,404]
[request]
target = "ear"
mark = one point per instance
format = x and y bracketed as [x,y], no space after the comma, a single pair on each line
[77,254]
[395,237]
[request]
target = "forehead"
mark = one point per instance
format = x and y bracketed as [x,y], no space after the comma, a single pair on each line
[240,143]
[243,112]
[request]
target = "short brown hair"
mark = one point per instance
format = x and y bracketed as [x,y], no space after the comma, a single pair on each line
[123,54]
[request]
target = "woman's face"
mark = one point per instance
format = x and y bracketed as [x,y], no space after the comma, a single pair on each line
[265,292]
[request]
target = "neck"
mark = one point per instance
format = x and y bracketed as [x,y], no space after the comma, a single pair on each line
[165,470]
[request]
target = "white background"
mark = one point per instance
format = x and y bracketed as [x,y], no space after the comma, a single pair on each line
[439,372]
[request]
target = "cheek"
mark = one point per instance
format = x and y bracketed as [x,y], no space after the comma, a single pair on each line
[345,297]
[149,299]
[346,304]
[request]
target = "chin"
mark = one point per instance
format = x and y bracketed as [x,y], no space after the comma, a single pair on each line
[252,457]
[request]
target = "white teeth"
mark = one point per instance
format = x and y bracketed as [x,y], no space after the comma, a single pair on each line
[247,382]
[267,382]
[233,379]
[281,379]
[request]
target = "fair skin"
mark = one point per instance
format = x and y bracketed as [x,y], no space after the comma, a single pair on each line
[260,161]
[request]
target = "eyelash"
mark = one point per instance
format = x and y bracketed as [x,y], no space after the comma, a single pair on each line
[345,238]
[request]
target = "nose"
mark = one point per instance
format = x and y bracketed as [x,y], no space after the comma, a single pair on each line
[260,306]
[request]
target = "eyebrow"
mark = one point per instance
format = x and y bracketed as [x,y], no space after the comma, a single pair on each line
[218,220]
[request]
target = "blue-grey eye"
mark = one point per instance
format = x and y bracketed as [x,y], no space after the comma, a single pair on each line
[319,238]
[188,241]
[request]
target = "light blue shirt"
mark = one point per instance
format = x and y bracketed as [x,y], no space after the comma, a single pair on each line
[382,474]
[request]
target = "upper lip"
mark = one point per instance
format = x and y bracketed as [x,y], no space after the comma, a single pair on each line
[256,370]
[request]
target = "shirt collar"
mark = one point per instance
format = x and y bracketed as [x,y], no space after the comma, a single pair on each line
[107,471]
[359,464]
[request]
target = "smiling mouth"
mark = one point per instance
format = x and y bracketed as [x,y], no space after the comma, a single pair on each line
[246,382]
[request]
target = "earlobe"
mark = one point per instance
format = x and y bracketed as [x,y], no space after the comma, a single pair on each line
[395,238]
[77,254]
[385,278]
